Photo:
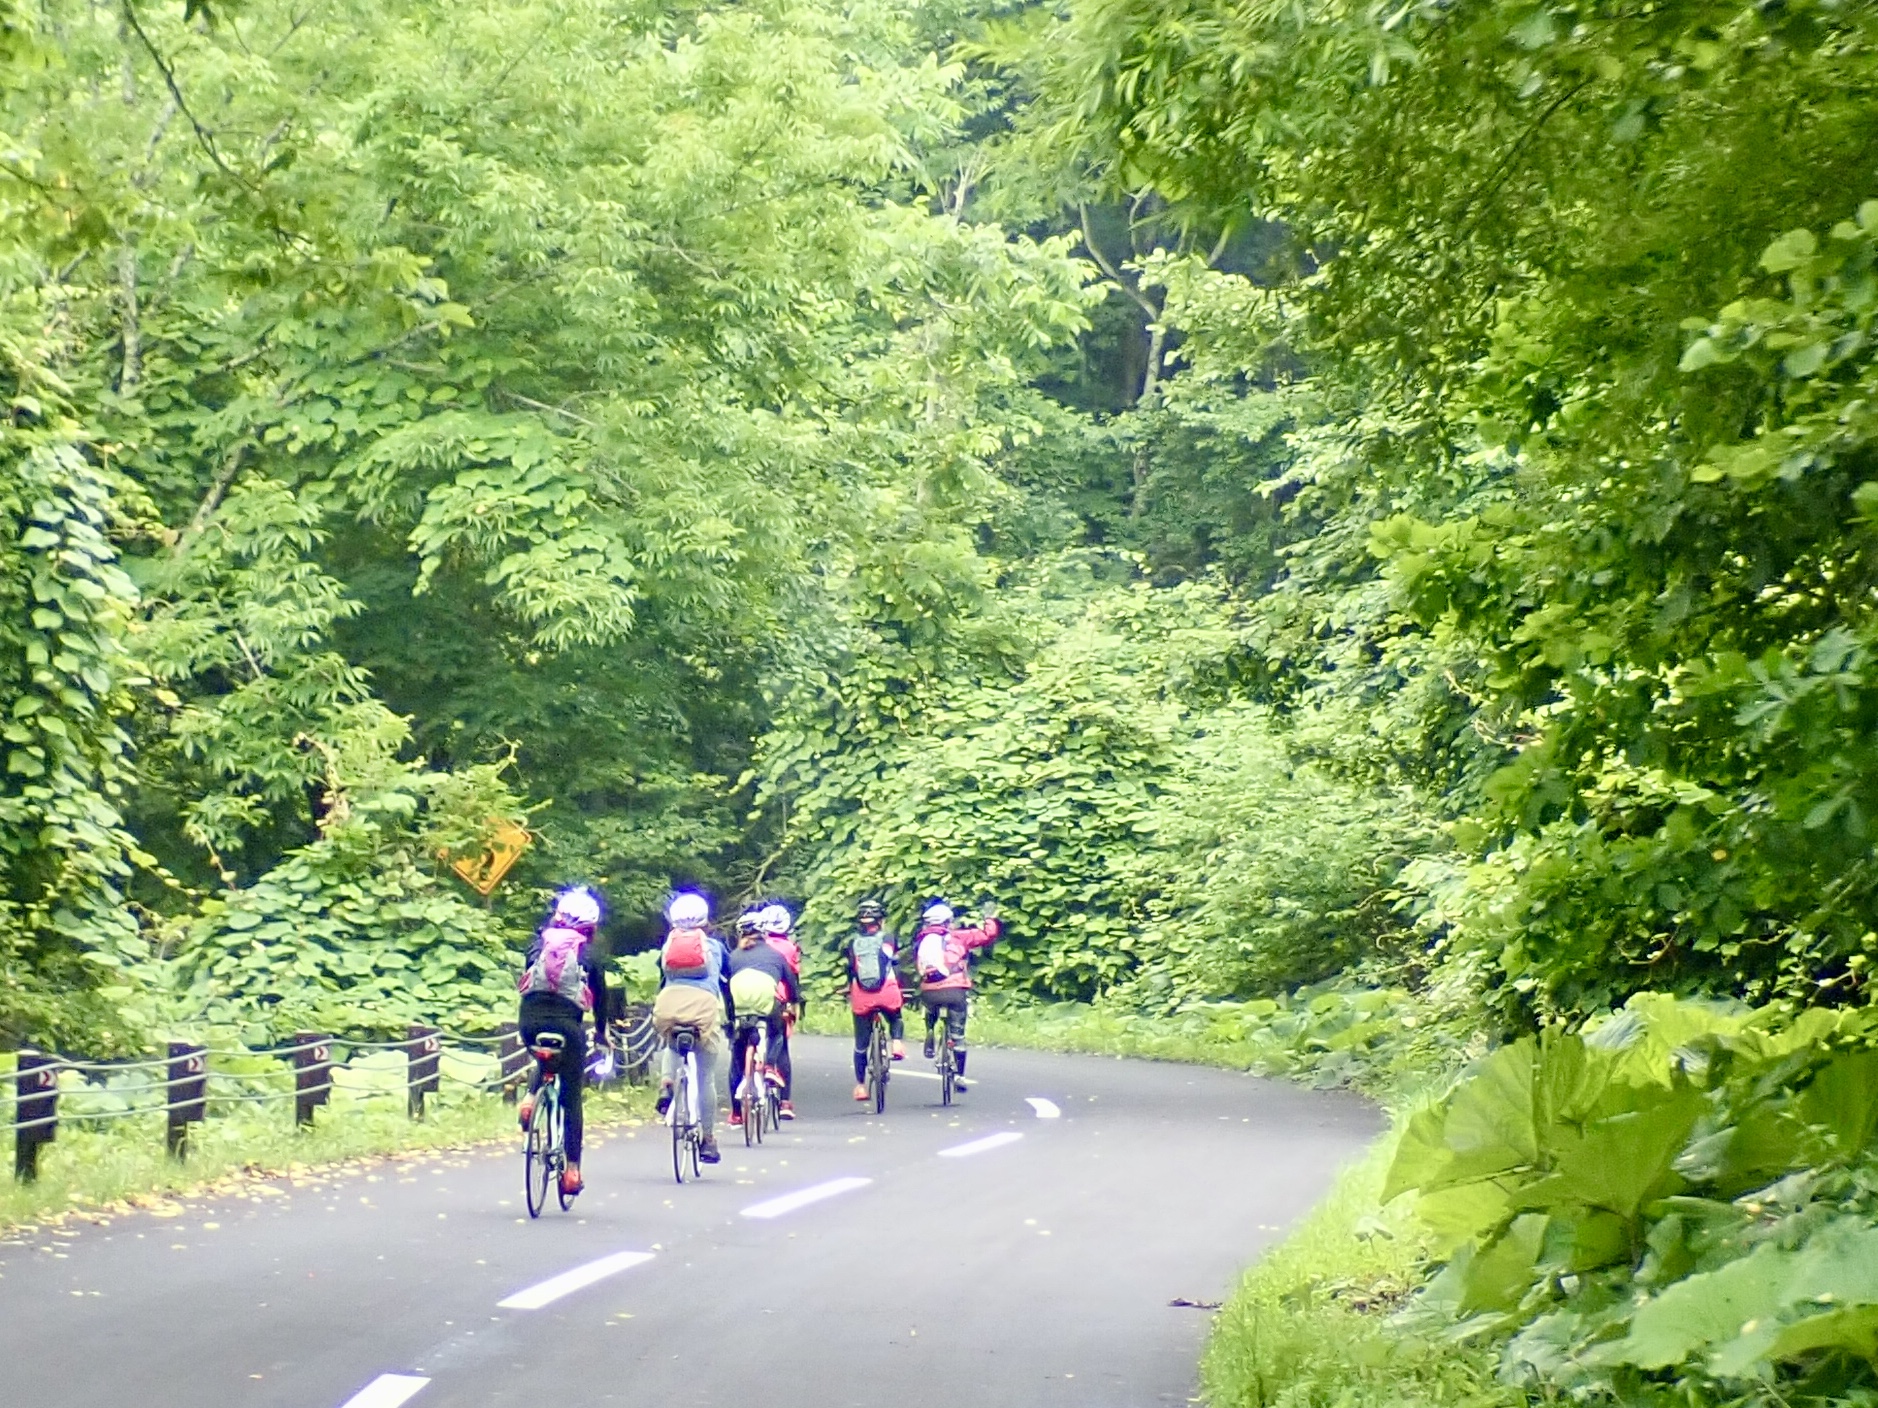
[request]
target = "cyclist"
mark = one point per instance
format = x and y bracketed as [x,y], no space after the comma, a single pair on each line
[873,986]
[761,982]
[691,994]
[774,921]
[561,982]
[944,954]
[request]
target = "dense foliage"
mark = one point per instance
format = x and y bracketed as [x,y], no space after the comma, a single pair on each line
[1328,514]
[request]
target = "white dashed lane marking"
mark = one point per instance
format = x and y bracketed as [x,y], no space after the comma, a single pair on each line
[789,1202]
[979,1146]
[386,1391]
[552,1289]
[1046,1109]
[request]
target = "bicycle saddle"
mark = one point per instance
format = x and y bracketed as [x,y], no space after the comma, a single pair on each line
[550,1043]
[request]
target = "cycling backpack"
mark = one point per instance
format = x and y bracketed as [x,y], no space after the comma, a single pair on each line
[557,968]
[871,963]
[753,992]
[934,962]
[683,954]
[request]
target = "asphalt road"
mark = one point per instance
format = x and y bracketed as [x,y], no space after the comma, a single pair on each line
[937,1271]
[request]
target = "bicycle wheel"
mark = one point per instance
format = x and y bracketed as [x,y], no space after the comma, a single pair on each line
[749,1096]
[558,1153]
[537,1148]
[693,1131]
[948,1072]
[877,1068]
[680,1118]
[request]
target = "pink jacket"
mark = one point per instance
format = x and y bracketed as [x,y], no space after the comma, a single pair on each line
[886,998]
[960,944]
[788,948]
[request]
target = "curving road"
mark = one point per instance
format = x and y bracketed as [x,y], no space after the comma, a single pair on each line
[1020,1249]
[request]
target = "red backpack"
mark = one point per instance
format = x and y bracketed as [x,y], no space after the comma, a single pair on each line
[683,954]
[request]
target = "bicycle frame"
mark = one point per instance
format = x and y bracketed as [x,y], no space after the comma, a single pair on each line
[752,1084]
[681,1116]
[544,1151]
[879,1062]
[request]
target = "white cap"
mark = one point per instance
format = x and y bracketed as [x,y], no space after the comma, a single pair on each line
[688,910]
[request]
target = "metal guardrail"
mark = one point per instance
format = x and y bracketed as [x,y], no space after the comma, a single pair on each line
[191,1087]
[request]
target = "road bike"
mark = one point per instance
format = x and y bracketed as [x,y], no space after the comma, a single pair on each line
[687,1097]
[544,1145]
[879,1063]
[755,1088]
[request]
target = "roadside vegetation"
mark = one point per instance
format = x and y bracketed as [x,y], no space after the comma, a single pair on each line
[1353,525]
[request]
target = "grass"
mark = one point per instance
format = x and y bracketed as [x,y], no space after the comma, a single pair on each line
[1310,1326]
[107,1169]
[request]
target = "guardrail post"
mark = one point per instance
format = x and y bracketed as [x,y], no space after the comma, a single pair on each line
[186,1094]
[513,1062]
[312,1074]
[36,1092]
[422,1052]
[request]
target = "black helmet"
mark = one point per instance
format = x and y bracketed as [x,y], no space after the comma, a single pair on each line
[870,909]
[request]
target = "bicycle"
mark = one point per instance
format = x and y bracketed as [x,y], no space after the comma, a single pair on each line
[879,1063]
[682,1114]
[947,1061]
[544,1148]
[754,1089]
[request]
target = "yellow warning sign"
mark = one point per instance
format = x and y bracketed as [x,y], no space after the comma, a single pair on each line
[484,872]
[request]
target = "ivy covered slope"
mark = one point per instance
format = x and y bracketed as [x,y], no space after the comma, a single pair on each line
[427,415]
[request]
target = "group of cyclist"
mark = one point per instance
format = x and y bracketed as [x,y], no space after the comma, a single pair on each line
[706,985]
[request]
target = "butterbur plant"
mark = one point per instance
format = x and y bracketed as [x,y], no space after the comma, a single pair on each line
[1682,1192]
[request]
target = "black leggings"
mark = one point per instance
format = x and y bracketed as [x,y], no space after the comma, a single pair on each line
[741,1043]
[952,1002]
[864,1029]
[571,1065]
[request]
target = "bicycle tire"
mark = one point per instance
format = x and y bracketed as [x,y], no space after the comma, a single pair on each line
[694,1135]
[877,1068]
[948,1072]
[557,1133]
[749,1100]
[680,1118]
[537,1149]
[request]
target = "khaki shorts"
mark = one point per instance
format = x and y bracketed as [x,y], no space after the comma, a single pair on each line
[680,1005]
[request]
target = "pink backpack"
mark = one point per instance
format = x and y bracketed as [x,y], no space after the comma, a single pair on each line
[557,968]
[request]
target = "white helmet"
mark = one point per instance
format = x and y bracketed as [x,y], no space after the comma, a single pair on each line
[937,913]
[774,919]
[688,910]
[577,908]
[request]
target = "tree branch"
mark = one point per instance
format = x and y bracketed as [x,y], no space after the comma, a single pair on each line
[212,500]
[203,136]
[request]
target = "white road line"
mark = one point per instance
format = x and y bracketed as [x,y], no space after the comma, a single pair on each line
[386,1391]
[917,1075]
[979,1146]
[1046,1109]
[801,1198]
[568,1282]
